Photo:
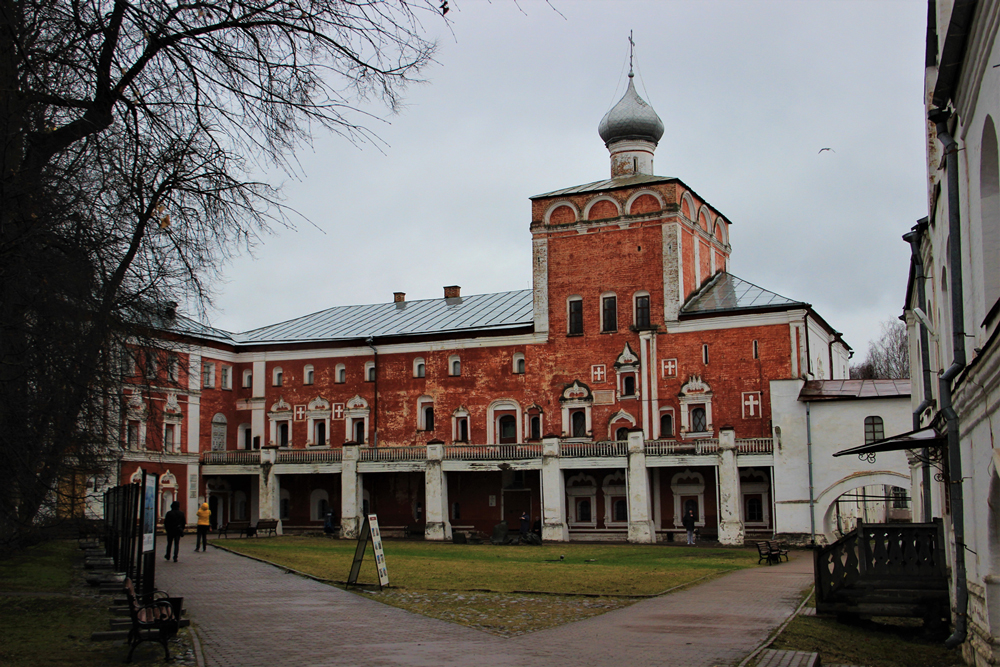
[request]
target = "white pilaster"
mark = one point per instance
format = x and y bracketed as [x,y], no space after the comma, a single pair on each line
[350,493]
[269,492]
[640,526]
[437,526]
[731,531]
[554,528]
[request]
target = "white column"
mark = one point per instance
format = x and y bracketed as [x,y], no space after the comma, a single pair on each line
[269,492]
[731,530]
[351,493]
[554,528]
[640,526]
[437,527]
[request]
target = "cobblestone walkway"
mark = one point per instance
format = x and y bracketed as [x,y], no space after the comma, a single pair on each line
[249,614]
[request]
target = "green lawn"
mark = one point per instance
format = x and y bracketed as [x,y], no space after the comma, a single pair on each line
[496,589]
[47,614]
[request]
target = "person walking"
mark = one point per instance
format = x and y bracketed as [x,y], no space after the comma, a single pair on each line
[173,524]
[688,523]
[203,524]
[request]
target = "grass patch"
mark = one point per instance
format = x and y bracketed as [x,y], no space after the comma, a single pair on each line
[47,614]
[477,585]
[879,642]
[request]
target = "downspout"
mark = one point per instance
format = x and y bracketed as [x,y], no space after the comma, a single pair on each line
[913,238]
[940,119]
[812,500]
[805,330]
[371,343]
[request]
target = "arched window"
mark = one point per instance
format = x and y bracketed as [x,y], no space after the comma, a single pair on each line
[507,426]
[454,365]
[341,374]
[989,197]
[369,371]
[359,431]
[518,363]
[621,434]
[319,433]
[666,425]
[277,376]
[247,379]
[698,421]
[219,432]
[463,429]
[874,429]
[308,374]
[579,421]
[419,368]
[535,428]
[429,418]
[283,434]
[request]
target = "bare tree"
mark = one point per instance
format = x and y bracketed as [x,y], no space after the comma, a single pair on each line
[129,130]
[888,357]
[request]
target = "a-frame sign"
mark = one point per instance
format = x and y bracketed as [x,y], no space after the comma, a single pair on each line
[369,530]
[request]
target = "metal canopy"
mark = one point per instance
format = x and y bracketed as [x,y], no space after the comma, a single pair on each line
[925,437]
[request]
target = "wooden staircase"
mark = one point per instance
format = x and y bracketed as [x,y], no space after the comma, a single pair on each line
[894,569]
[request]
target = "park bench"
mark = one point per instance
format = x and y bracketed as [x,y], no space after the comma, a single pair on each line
[266,527]
[765,553]
[777,549]
[241,528]
[155,619]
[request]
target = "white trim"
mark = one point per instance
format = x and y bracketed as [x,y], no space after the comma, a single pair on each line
[556,204]
[590,205]
[635,195]
[492,422]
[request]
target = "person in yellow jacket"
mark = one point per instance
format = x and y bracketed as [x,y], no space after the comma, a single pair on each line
[203,524]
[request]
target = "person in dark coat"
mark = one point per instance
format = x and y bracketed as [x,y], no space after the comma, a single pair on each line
[174,523]
[525,524]
[688,523]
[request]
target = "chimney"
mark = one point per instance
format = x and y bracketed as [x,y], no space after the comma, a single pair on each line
[452,292]
[399,297]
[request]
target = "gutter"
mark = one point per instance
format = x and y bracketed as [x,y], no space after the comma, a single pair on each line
[812,499]
[955,477]
[913,238]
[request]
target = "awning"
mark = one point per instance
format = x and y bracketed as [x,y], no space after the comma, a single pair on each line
[925,437]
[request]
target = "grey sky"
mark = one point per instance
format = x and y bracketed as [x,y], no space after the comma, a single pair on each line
[748,91]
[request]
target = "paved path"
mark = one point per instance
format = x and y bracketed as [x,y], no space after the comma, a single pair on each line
[249,614]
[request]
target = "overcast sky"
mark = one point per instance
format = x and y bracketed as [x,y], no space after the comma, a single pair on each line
[749,93]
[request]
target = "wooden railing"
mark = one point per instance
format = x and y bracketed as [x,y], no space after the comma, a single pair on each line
[755,445]
[232,457]
[492,452]
[593,449]
[311,456]
[890,555]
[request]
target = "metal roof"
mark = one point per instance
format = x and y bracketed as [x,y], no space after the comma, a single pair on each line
[406,318]
[631,118]
[608,184]
[725,292]
[926,437]
[834,390]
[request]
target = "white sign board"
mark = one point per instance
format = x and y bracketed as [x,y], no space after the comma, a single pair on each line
[383,573]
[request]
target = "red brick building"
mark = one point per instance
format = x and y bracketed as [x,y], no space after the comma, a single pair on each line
[630,383]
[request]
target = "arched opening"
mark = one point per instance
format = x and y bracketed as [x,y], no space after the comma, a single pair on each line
[359,431]
[666,425]
[989,200]
[535,427]
[319,433]
[621,435]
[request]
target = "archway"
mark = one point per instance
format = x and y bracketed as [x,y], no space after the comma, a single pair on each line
[826,501]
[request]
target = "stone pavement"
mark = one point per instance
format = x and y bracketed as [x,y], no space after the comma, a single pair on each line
[248,613]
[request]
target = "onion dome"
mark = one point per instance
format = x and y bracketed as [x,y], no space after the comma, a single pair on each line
[631,119]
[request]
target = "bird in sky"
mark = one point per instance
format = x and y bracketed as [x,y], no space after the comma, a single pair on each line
[826,149]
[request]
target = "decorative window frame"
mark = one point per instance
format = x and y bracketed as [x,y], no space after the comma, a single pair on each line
[219,420]
[173,367]
[419,368]
[423,403]
[339,374]
[452,361]
[493,419]
[576,489]
[308,374]
[277,377]
[247,378]
[226,377]
[369,371]
[136,412]
[748,488]
[532,411]
[456,417]
[280,411]
[627,365]
[168,485]
[614,487]
[208,375]
[355,409]
[690,489]
[577,396]
[659,424]
[318,411]
[172,416]
[518,365]
[695,393]
[616,422]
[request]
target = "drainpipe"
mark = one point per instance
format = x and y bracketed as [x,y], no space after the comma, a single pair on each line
[371,343]
[940,119]
[913,238]
[805,328]
[812,500]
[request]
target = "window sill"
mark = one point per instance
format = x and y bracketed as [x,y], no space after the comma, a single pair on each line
[610,331]
[698,435]
[574,335]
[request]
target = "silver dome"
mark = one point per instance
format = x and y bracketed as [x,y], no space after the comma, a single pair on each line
[631,118]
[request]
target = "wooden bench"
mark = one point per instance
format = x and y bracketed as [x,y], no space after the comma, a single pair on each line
[266,527]
[777,550]
[156,619]
[241,528]
[765,553]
